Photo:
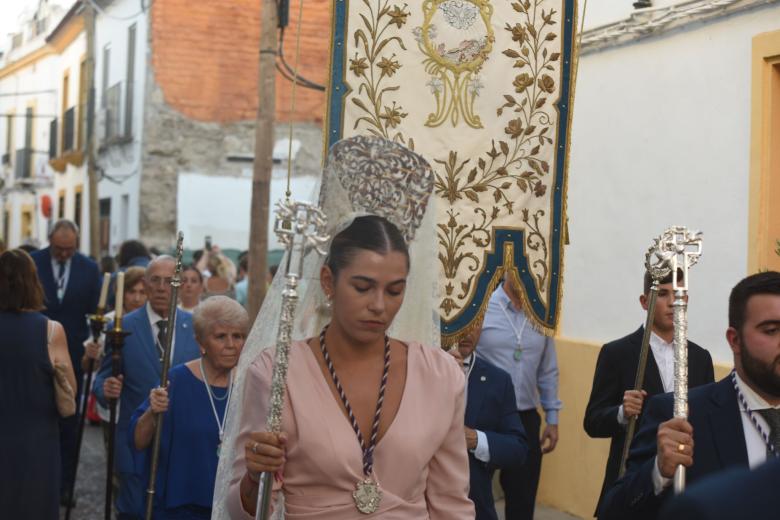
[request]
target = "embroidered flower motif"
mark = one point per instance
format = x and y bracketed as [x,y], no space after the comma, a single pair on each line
[519,33]
[398,16]
[393,116]
[514,128]
[546,83]
[358,65]
[522,82]
[459,14]
[540,189]
[436,85]
[388,66]
[475,85]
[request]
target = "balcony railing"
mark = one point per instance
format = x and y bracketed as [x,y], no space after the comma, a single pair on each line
[69,129]
[22,164]
[53,139]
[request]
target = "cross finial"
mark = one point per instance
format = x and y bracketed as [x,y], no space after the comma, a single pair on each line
[682,248]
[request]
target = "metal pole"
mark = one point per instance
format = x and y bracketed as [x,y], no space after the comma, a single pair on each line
[263,163]
[96,322]
[680,372]
[639,379]
[166,364]
[116,338]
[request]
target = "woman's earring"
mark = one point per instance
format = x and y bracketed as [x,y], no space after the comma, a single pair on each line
[329,302]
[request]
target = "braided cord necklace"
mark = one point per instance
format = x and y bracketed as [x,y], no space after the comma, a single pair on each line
[367,494]
[743,404]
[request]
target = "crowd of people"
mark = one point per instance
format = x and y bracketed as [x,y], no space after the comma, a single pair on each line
[431,457]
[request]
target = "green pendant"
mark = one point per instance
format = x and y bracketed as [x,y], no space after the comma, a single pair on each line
[518,354]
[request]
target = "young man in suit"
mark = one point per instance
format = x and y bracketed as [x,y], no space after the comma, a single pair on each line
[494,433]
[71,284]
[732,423]
[613,401]
[141,370]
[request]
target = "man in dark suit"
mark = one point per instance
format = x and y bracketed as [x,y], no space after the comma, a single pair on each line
[613,401]
[495,436]
[71,283]
[141,370]
[732,423]
[735,493]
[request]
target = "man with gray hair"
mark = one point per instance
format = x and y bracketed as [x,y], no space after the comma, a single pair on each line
[71,283]
[141,369]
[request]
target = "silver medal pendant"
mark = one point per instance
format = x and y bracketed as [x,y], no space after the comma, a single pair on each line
[367,496]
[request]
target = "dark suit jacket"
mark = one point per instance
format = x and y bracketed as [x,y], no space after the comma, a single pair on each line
[81,298]
[141,368]
[615,373]
[491,408]
[736,493]
[719,443]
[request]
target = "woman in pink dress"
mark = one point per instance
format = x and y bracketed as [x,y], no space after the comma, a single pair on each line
[373,426]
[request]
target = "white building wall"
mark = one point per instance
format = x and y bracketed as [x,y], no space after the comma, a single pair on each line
[29,86]
[74,179]
[120,163]
[661,136]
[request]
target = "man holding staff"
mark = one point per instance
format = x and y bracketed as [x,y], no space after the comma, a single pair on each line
[732,423]
[141,367]
[613,399]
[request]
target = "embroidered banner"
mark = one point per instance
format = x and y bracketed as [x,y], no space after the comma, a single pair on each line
[483,90]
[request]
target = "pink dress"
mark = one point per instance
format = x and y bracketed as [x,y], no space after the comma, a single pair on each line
[421,463]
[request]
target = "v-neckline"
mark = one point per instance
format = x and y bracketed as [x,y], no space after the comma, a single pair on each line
[335,402]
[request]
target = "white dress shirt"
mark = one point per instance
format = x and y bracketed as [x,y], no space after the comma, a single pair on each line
[153,319]
[482,451]
[663,353]
[60,283]
[756,447]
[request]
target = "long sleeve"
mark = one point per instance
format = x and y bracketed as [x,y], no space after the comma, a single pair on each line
[634,496]
[601,414]
[447,486]
[547,381]
[103,373]
[508,444]
[253,419]
[710,377]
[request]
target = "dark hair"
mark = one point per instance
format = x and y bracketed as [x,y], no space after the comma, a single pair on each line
[131,249]
[107,264]
[664,280]
[368,233]
[191,267]
[20,288]
[28,248]
[767,282]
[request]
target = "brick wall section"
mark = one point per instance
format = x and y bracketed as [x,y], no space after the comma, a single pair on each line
[204,56]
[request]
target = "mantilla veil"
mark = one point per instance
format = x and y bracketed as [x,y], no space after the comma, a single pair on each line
[363,175]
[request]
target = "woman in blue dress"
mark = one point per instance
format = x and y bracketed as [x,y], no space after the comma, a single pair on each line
[193,409]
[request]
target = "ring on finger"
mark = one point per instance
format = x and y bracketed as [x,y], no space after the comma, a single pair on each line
[254,448]
[681,447]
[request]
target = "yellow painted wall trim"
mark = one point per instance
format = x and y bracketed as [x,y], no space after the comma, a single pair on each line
[764,190]
[59,42]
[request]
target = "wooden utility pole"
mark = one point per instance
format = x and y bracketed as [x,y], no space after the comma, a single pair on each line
[264,161]
[89,151]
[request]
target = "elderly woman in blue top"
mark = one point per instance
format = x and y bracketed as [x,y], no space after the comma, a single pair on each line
[193,409]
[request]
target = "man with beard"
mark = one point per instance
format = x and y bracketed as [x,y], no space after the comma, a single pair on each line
[732,423]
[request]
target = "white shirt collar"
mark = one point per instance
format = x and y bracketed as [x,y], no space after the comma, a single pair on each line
[469,360]
[657,341]
[153,316]
[754,401]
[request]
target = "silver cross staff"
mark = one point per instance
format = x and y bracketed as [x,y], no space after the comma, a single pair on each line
[300,226]
[658,267]
[683,248]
